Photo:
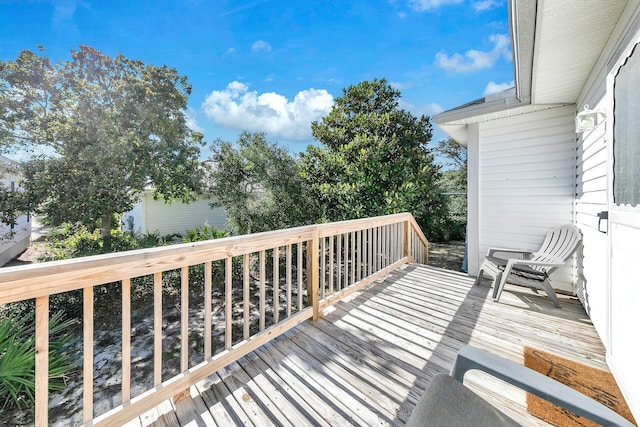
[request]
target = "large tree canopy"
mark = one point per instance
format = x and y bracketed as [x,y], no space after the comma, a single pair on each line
[259,185]
[113,127]
[374,158]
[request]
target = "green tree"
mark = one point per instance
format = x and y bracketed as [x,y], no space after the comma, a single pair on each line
[12,204]
[454,185]
[259,185]
[374,159]
[455,152]
[113,127]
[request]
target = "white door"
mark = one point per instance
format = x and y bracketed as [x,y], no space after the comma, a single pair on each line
[624,226]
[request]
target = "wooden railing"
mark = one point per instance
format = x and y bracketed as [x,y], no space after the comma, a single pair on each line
[300,271]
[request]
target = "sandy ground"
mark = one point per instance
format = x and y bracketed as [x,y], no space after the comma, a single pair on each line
[447,255]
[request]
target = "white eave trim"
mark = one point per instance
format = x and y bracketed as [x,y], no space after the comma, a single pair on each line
[455,122]
[470,113]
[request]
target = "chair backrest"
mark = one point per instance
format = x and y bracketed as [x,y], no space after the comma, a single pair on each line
[559,243]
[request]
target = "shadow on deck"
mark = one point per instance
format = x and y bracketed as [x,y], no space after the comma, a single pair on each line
[369,358]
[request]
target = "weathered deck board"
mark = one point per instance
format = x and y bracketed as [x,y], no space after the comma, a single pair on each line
[369,358]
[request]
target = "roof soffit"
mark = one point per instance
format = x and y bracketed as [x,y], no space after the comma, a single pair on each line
[570,36]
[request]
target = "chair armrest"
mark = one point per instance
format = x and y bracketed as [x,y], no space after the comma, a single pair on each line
[524,252]
[529,380]
[552,263]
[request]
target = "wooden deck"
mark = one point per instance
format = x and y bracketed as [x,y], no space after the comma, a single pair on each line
[368,359]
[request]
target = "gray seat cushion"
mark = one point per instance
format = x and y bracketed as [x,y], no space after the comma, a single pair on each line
[449,403]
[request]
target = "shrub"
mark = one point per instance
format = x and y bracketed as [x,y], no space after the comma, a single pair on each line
[75,240]
[203,232]
[153,239]
[17,358]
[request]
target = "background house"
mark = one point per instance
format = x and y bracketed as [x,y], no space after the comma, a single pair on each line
[14,239]
[529,170]
[150,216]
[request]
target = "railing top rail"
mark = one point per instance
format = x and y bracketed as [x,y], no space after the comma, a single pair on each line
[418,231]
[24,282]
[333,228]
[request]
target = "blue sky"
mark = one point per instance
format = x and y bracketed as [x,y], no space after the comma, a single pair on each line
[275,66]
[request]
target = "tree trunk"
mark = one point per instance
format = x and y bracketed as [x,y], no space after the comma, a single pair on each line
[106,232]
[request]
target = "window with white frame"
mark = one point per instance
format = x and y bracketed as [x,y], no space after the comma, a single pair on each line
[626,132]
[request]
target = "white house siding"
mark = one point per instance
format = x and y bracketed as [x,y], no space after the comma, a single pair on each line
[13,240]
[527,181]
[590,199]
[136,217]
[157,216]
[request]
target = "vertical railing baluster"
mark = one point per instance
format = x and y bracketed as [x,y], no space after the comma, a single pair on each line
[126,340]
[208,271]
[157,329]
[184,319]
[386,246]
[289,271]
[399,248]
[398,241]
[322,266]
[407,239]
[361,234]
[42,362]
[369,251]
[276,284]
[331,264]
[228,301]
[365,252]
[339,259]
[299,274]
[246,289]
[377,248]
[312,273]
[87,364]
[353,258]
[382,256]
[262,290]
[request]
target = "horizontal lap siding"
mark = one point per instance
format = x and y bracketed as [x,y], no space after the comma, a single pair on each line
[12,245]
[180,217]
[590,199]
[13,240]
[527,181]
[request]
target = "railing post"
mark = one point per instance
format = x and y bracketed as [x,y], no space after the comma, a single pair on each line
[407,240]
[426,254]
[312,273]
[42,362]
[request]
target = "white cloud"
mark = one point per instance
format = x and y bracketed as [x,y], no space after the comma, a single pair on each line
[427,5]
[426,110]
[191,120]
[483,5]
[229,51]
[63,11]
[433,109]
[424,5]
[400,85]
[238,108]
[493,87]
[475,60]
[261,45]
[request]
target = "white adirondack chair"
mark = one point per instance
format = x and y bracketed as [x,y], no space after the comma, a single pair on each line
[528,268]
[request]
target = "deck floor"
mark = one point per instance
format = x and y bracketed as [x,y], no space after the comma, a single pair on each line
[368,359]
